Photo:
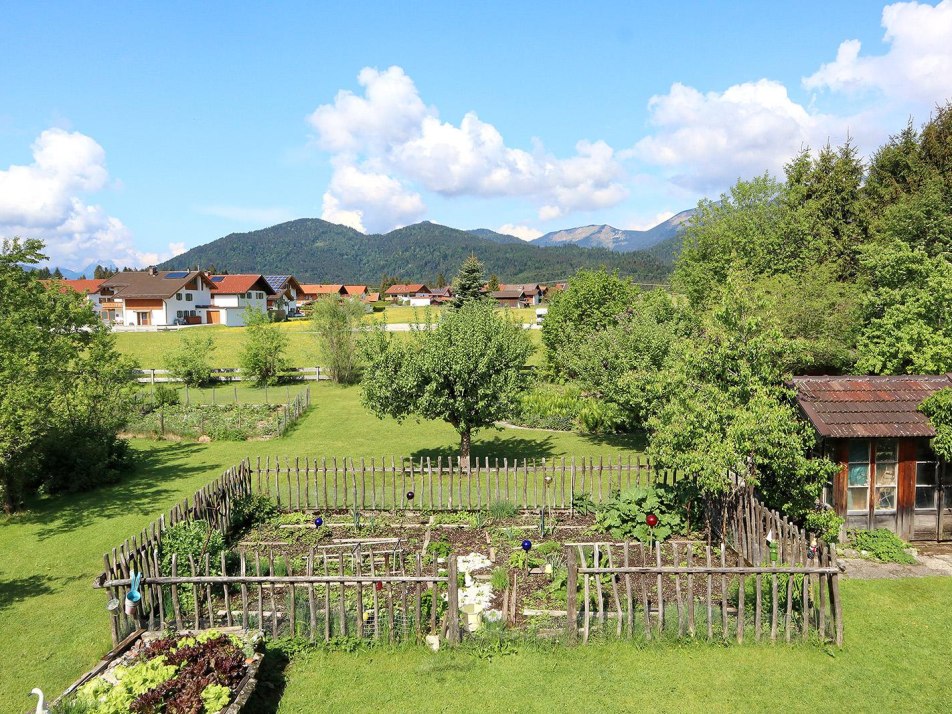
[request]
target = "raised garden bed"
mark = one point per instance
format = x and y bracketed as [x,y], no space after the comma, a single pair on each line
[196,672]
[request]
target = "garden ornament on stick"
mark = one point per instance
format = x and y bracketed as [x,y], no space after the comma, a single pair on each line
[133,596]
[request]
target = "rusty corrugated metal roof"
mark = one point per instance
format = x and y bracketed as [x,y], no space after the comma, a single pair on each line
[861,407]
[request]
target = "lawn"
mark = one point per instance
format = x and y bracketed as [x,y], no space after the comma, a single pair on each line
[896,658]
[403,313]
[53,625]
[149,348]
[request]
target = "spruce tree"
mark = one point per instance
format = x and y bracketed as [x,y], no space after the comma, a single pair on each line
[468,284]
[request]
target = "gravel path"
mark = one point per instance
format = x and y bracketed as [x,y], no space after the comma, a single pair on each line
[934,559]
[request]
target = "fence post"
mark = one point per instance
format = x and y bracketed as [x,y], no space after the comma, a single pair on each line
[452,601]
[571,600]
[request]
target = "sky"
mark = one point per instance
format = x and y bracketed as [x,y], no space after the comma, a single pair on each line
[133,131]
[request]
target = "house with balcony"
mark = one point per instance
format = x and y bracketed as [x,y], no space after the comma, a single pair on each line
[288,294]
[91,290]
[233,294]
[157,297]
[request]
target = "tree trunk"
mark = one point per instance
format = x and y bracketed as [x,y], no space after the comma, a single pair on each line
[465,440]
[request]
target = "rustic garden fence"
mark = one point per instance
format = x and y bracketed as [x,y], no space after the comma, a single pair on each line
[448,483]
[767,577]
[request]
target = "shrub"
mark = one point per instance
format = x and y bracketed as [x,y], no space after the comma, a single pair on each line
[79,457]
[826,524]
[882,545]
[189,361]
[262,357]
[598,417]
[624,514]
[195,539]
[251,509]
[548,406]
[165,395]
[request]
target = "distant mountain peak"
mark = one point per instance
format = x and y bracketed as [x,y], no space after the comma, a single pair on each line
[616,239]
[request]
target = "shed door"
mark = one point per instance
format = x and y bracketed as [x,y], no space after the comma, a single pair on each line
[214,317]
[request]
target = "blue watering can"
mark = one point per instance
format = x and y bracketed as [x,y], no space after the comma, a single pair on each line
[133,596]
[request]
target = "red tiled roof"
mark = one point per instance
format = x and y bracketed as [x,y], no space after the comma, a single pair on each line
[321,289]
[355,289]
[406,289]
[81,286]
[236,284]
[863,407]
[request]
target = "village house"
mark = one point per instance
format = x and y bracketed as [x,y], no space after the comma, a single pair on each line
[157,297]
[872,427]
[511,297]
[406,293]
[533,291]
[313,291]
[355,291]
[288,294]
[235,293]
[92,290]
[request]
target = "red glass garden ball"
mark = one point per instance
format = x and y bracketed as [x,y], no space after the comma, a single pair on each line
[526,544]
[651,520]
[378,585]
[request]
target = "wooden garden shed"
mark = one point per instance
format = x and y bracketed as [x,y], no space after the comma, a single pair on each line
[889,475]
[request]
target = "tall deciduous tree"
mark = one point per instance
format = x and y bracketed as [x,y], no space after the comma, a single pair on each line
[262,357]
[57,364]
[336,322]
[468,285]
[592,302]
[466,371]
[721,407]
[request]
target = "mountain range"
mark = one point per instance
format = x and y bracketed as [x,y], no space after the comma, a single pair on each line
[315,250]
[616,239]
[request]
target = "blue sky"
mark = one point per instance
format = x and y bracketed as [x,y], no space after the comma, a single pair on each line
[133,131]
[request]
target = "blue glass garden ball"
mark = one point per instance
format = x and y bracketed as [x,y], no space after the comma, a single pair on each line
[318,522]
[409,495]
[526,544]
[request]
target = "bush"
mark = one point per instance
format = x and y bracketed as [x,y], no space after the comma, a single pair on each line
[195,539]
[165,395]
[882,545]
[624,514]
[599,417]
[548,406]
[251,509]
[262,357]
[80,457]
[189,361]
[826,524]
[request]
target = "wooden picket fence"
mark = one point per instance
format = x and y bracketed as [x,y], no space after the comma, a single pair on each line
[767,576]
[360,589]
[770,579]
[448,483]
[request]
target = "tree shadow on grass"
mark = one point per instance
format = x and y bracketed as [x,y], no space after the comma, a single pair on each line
[138,492]
[17,590]
[635,441]
[509,446]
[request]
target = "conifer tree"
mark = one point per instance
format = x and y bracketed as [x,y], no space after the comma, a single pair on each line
[468,284]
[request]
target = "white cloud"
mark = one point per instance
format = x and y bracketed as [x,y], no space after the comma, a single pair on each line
[917,66]
[42,200]
[369,201]
[389,133]
[519,231]
[248,214]
[707,140]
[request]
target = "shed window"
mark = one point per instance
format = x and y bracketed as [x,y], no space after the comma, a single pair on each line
[858,476]
[927,470]
[887,468]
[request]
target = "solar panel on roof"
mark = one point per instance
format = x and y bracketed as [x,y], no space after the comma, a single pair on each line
[178,275]
[218,278]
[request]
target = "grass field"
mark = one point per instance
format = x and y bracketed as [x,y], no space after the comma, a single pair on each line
[53,625]
[149,348]
[896,658]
